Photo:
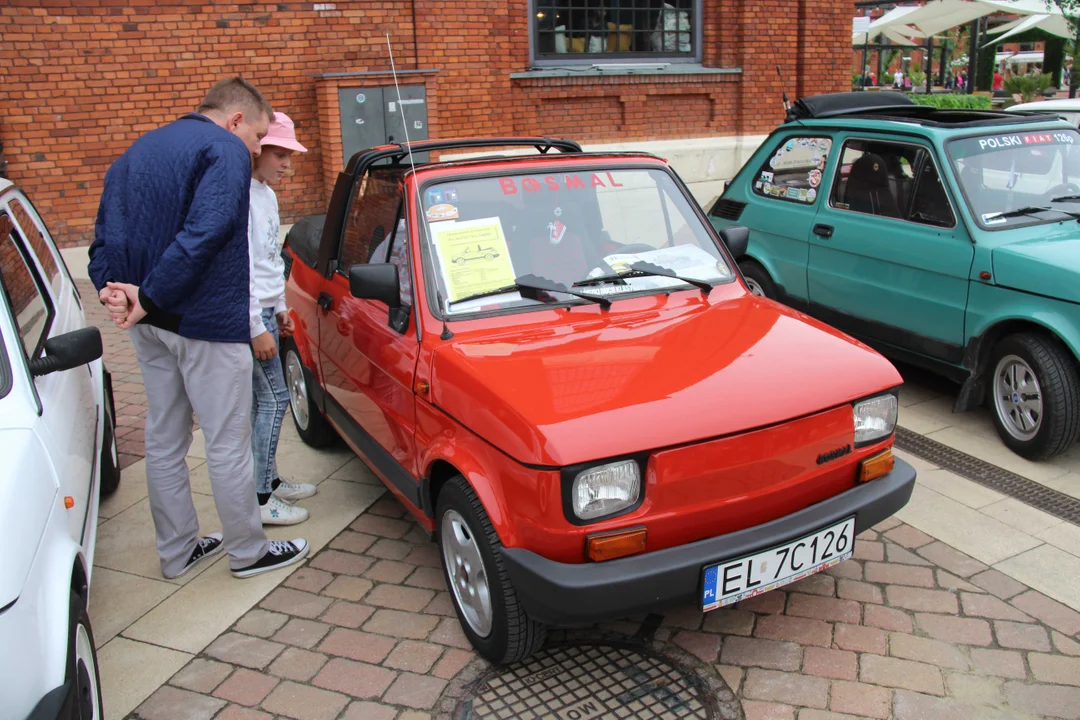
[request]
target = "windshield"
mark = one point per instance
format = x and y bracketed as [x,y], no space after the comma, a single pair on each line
[1034,172]
[570,230]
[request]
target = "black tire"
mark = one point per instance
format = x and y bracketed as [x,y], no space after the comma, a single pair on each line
[317,432]
[754,273]
[1055,370]
[513,635]
[109,460]
[87,681]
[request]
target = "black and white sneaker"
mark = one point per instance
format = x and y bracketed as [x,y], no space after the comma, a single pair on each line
[204,547]
[280,554]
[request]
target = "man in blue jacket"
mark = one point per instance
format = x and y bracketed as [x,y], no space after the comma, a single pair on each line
[170,259]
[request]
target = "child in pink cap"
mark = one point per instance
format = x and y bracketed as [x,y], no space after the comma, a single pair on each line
[268,317]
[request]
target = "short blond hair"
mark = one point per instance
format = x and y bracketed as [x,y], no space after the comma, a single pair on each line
[236,94]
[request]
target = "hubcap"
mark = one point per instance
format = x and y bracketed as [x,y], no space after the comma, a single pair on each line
[297,389]
[1018,397]
[85,676]
[755,287]
[465,567]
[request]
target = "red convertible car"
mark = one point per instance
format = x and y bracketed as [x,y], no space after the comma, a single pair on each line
[594,417]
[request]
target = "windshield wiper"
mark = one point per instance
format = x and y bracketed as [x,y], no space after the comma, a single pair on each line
[1029,211]
[647,269]
[531,287]
[1066,198]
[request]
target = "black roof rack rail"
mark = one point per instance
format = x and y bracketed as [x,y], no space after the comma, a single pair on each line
[833,104]
[398,152]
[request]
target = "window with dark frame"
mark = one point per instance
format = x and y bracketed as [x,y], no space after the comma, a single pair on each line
[615,29]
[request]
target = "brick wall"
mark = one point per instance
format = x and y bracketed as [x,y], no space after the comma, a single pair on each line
[84,78]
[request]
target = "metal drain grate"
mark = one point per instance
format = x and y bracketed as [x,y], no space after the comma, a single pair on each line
[1028,491]
[583,681]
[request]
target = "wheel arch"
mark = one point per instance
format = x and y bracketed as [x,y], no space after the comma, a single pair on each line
[478,475]
[979,349]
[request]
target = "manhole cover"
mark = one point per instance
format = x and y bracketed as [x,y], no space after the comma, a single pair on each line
[587,680]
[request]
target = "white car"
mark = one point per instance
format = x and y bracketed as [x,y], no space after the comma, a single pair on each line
[59,456]
[1067,108]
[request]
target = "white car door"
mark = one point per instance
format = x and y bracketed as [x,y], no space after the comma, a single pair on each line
[69,400]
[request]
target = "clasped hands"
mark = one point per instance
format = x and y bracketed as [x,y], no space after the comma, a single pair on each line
[122,302]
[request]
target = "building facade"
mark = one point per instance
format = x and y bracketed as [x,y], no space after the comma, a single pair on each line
[694,80]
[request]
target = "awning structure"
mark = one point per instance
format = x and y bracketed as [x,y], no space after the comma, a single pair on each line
[913,23]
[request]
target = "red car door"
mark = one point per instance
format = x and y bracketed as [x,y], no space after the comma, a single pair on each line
[368,366]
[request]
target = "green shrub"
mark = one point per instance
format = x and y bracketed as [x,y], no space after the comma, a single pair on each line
[954,102]
[1028,87]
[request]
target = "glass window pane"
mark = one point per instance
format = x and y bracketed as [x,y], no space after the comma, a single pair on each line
[27,301]
[31,228]
[614,28]
[372,214]
[794,171]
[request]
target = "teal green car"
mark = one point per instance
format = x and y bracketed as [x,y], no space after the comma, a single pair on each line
[946,239]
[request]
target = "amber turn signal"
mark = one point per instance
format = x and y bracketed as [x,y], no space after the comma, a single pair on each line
[876,466]
[69,502]
[615,544]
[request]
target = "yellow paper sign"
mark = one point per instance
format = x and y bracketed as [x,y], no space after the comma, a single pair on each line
[473,255]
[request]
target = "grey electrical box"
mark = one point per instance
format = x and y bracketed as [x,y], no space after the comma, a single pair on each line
[372,116]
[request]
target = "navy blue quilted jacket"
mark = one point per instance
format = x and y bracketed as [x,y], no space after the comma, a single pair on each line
[173,220]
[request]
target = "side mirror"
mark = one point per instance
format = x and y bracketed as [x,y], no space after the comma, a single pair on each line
[378,281]
[68,351]
[736,238]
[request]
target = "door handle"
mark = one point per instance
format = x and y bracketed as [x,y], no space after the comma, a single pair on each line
[824,231]
[326,301]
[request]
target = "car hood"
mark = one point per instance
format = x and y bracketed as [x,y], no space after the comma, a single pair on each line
[1048,265]
[27,495]
[620,384]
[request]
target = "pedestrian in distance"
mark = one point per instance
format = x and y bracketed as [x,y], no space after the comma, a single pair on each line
[269,320]
[170,262]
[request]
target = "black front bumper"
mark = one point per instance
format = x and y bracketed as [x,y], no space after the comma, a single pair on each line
[575,594]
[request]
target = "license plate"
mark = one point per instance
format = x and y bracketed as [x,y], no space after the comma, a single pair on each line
[767,570]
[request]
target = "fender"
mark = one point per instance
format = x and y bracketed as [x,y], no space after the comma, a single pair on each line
[1019,312]
[441,438]
[37,624]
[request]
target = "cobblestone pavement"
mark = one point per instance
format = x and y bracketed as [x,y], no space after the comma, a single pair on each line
[909,628]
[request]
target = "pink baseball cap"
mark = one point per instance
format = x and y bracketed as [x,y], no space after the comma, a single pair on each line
[282,133]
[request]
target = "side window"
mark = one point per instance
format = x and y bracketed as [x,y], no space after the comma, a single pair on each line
[930,201]
[394,249]
[373,212]
[399,256]
[879,178]
[31,228]
[25,296]
[793,171]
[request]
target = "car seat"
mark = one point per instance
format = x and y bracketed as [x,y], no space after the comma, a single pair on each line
[868,188]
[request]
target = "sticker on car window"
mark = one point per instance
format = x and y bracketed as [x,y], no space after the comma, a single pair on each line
[442,211]
[473,256]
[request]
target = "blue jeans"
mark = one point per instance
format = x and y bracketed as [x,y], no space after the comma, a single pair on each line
[271,402]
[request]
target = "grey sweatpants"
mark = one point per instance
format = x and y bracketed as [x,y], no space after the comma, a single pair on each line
[214,380]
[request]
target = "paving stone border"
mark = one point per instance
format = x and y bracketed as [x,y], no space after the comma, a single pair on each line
[908,629]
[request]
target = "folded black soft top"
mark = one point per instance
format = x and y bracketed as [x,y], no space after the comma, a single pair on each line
[831,104]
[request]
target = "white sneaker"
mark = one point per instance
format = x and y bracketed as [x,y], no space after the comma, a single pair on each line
[291,492]
[278,512]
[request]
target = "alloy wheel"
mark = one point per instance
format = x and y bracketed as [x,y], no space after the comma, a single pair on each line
[298,395]
[1018,397]
[468,576]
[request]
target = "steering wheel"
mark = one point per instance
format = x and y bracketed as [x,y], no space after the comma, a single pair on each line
[1065,188]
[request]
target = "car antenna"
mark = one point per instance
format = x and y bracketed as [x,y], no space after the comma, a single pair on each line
[783,91]
[446,334]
